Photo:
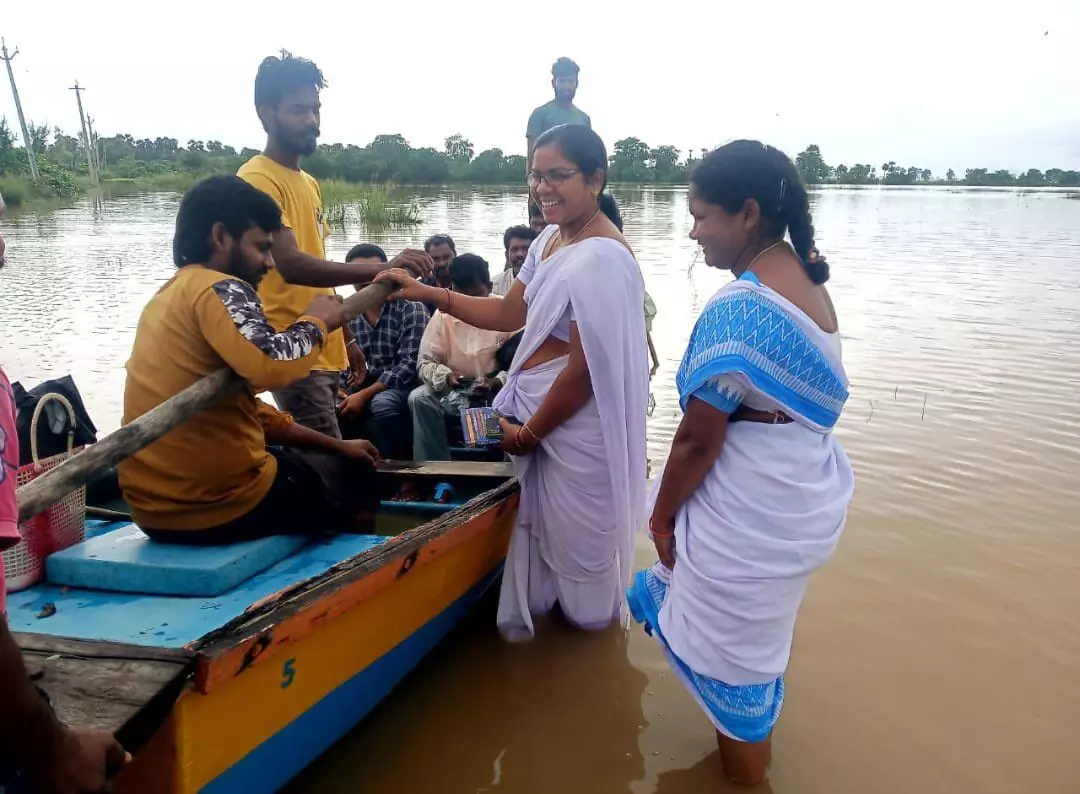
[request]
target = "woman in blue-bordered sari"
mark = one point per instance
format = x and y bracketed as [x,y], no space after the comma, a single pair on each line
[755,492]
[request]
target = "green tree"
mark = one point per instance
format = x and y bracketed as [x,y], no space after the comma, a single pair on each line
[858,174]
[899,175]
[515,164]
[1059,178]
[950,176]
[629,163]
[1033,178]
[389,153]
[459,148]
[11,161]
[488,167]
[1002,178]
[39,136]
[428,166]
[812,166]
[665,163]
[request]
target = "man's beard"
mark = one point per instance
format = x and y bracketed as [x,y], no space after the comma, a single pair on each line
[302,143]
[239,268]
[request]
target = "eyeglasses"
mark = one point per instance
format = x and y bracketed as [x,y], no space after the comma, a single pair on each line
[554,177]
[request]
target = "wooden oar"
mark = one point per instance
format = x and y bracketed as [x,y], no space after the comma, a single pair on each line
[36,496]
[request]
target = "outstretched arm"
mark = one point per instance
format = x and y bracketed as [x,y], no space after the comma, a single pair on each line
[296,267]
[231,319]
[505,314]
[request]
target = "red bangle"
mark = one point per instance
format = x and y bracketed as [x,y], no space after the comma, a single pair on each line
[655,534]
[449,299]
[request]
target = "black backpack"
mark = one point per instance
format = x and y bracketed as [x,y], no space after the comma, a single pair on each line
[54,423]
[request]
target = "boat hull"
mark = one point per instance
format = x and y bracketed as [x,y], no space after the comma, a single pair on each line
[256,729]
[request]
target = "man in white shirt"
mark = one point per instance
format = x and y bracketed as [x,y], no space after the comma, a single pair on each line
[457,365]
[516,242]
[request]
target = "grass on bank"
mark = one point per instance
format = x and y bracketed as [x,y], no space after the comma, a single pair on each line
[18,190]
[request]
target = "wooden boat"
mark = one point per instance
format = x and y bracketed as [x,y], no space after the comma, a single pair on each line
[241,690]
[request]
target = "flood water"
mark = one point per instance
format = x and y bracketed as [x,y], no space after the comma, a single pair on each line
[937,652]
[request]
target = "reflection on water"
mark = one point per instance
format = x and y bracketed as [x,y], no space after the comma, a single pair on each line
[936,653]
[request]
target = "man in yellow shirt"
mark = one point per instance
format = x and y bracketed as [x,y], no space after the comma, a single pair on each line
[287,101]
[212,480]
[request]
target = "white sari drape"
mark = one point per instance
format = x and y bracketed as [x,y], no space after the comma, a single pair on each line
[583,489]
[773,506]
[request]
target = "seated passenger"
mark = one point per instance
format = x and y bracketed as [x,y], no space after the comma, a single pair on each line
[213,479]
[457,365]
[516,242]
[389,337]
[536,217]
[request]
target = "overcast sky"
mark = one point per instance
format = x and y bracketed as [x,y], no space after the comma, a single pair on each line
[933,83]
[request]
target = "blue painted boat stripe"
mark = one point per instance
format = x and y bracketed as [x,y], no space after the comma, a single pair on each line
[285,754]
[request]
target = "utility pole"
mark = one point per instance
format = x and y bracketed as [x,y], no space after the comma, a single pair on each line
[94,145]
[85,133]
[27,140]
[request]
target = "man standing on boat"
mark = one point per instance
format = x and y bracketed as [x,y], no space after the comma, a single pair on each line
[287,101]
[561,110]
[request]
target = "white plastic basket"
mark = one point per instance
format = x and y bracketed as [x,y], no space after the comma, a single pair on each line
[63,524]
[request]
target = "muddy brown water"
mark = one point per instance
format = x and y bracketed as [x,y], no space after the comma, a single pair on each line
[937,652]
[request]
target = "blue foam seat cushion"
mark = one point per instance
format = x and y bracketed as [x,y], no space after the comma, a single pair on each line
[126,560]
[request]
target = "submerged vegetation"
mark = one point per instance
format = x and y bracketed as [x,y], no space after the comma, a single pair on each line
[373,205]
[377,208]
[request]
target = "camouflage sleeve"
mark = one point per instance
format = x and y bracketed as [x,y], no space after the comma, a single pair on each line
[232,321]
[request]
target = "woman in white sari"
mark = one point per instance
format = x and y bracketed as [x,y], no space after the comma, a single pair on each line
[577,392]
[755,493]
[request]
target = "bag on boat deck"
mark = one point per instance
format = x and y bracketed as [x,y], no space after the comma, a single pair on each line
[104,488]
[53,431]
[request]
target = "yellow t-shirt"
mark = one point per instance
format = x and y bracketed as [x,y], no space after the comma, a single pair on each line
[298,195]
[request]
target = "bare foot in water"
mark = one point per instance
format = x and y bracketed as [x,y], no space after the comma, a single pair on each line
[745,763]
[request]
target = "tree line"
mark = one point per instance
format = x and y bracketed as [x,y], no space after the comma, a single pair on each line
[815,171]
[391,159]
[387,159]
